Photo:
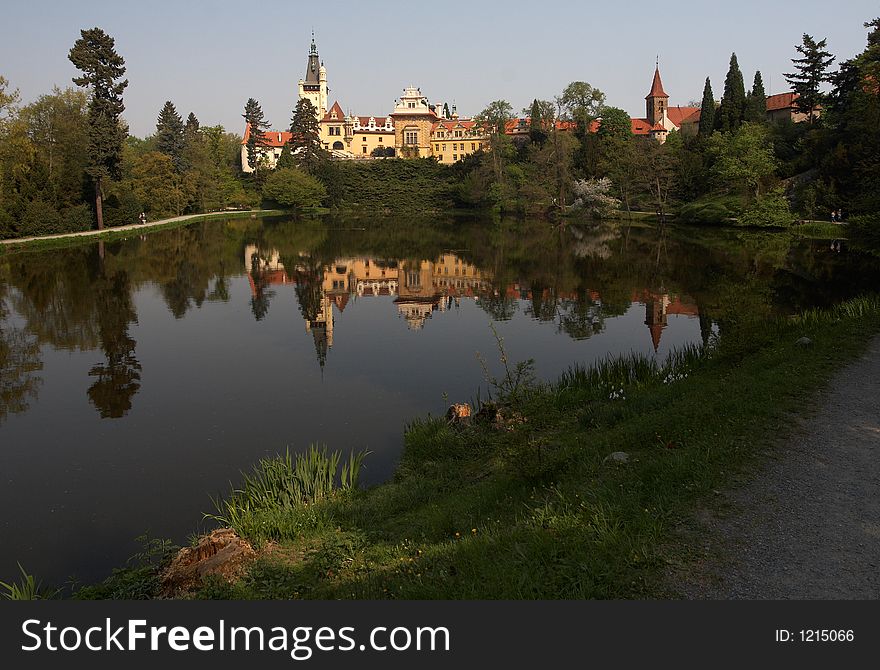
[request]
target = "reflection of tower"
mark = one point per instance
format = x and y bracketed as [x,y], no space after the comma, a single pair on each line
[321,328]
[655,315]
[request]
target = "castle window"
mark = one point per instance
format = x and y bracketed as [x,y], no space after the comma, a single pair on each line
[380,138]
[473,147]
[364,150]
[455,157]
[411,137]
[365,138]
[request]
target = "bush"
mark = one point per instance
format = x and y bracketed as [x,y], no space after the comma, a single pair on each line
[771,210]
[864,232]
[294,188]
[39,218]
[122,209]
[77,218]
[711,210]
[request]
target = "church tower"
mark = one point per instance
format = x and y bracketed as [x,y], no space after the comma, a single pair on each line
[656,102]
[314,86]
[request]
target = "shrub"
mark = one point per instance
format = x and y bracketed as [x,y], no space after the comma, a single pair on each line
[711,210]
[77,218]
[294,188]
[39,218]
[770,210]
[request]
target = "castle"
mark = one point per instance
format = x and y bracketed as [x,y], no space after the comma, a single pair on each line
[416,128]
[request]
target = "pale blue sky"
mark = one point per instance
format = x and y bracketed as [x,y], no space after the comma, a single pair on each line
[209,57]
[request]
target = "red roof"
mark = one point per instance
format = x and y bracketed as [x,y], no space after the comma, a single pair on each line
[679,114]
[340,115]
[271,138]
[365,120]
[657,87]
[693,118]
[780,101]
[640,126]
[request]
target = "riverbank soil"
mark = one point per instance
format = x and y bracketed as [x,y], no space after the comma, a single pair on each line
[808,525]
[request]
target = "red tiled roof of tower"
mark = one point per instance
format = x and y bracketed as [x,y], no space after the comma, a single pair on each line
[340,115]
[657,87]
[656,332]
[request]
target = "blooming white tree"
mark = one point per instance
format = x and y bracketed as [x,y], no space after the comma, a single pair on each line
[591,196]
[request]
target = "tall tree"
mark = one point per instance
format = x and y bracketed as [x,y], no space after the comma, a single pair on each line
[615,123]
[811,71]
[707,110]
[733,104]
[756,102]
[192,125]
[305,138]
[94,54]
[169,135]
[583,104]
[256,126]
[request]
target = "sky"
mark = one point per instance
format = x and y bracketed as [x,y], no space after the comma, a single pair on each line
[210,57]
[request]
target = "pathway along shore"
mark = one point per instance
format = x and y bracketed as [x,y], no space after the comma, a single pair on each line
[808,526]
[137,227]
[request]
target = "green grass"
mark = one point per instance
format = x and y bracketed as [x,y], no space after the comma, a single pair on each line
[534,507]
[823,230]
[537,510]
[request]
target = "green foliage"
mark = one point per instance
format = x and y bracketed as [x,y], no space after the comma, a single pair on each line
[733,103]
[27,588]
[770,210]
[707,110]
[756,102]
[615,123]
[139,579]
[169,135]
[811,72]
[95,56]
[711,210]
[865,232]
[582,103]
[294,188]
[743,159]
[257,125]
[421,185]
[278,499]
[305,141]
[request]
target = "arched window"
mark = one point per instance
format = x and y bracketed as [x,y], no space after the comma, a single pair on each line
[338,145]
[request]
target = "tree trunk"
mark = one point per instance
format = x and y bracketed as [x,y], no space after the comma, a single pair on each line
[99,205]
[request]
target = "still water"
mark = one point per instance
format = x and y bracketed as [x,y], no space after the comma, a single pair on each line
[138,378]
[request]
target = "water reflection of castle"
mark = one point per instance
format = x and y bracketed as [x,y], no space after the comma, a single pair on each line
[419,288]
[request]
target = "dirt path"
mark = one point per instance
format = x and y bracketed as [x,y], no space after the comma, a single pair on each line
[132,227]
[808,527]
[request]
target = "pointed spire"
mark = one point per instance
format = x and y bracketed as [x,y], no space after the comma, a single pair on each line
[657,85]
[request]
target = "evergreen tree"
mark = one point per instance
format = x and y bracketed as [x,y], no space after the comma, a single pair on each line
[305,140]
[285,160]
[537,133]
[253,116]
[756,103]
[707,110]
[191,128]
[733,105]
[169,135]
[95,56]
[811,73]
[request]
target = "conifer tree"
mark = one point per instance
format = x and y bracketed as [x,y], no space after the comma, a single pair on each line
[94,54]
[169,134]
[733,104]
[253,116]
[756,103]
[811,73]
[191,127]
[305,140]
[285,160]
[537,132]
[707,110]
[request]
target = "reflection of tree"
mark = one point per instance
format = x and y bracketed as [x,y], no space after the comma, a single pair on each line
[262,295]
[119,378]
[19,360]
[581,317]
[309,290]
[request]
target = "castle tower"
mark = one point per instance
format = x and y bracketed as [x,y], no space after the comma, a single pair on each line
[656,102]
[314,86]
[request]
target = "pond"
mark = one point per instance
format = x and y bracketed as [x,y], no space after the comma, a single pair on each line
[139,377]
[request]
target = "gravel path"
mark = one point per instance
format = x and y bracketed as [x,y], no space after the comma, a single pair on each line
[808,526]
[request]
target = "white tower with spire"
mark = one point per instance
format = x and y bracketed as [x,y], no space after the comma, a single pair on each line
[314,86]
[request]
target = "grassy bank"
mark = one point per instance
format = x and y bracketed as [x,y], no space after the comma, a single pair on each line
[112,234]
[530,502]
